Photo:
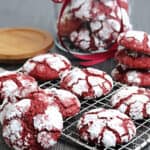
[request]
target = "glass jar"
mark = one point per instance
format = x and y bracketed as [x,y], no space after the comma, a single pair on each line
[89,29]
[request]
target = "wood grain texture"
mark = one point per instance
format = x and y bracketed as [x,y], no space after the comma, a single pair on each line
[43,14]
[22,43]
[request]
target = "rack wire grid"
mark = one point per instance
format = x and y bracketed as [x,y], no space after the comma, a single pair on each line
[141,140]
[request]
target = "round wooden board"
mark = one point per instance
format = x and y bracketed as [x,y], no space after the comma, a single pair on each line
[22,43]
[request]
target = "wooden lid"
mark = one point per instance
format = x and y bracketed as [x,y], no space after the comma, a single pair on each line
[22,43]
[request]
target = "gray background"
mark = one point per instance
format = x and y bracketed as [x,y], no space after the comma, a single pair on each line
[43,13]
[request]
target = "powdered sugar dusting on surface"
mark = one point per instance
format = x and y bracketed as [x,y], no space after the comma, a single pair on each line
[6,73]
[96,82]
[109,136]
[81,87]
[10,110]
[56,122]
[29,66]
[138,35]
[55,63]
[48,121]
[81,38]
[105,32]
[24,125]
[66,97]
[104,20]
[107,127]
[13,131]
[114,24]
[132,101]
[45,63]
[123,92]
[109,3]
[17,109]
[29,85]
[17,86]
[68,103]
[132,77]
[9,88]
[45,139]
[137,107]
[125,19]
[84,8]
[87,83]
[74,75]
[96,25]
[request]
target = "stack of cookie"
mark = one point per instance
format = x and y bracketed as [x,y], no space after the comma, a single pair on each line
[134,59]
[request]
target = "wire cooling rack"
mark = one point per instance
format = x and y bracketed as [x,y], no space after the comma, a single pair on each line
[141,140]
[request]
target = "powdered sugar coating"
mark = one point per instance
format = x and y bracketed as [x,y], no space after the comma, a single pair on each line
[84,9]
[13,131]
[133,101]
[16,110]
[135,40]
[67,102]
[132,59]
[32,124]
[131,76]
[87,83]
[139,35]
[81,38]
[106,127]
[100,23]
[14,86]
[46,66]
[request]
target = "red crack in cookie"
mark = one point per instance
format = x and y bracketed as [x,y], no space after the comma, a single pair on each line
[68,103]
[32,124]
[39,94]
[46,66]
[131,77]
[14,86]
[87,83]
[106,127]
[133,59]
[135,40]
[83,40]
[99,23]
[133,101]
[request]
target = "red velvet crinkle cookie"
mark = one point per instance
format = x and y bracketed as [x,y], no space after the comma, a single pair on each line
[31,124]
[97,25]
[87,83]
[133,59]
[133,101]
[106,127]
[14,86]
[135,40]
[39,94]
[131,77]
[46,66]
[68,103]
